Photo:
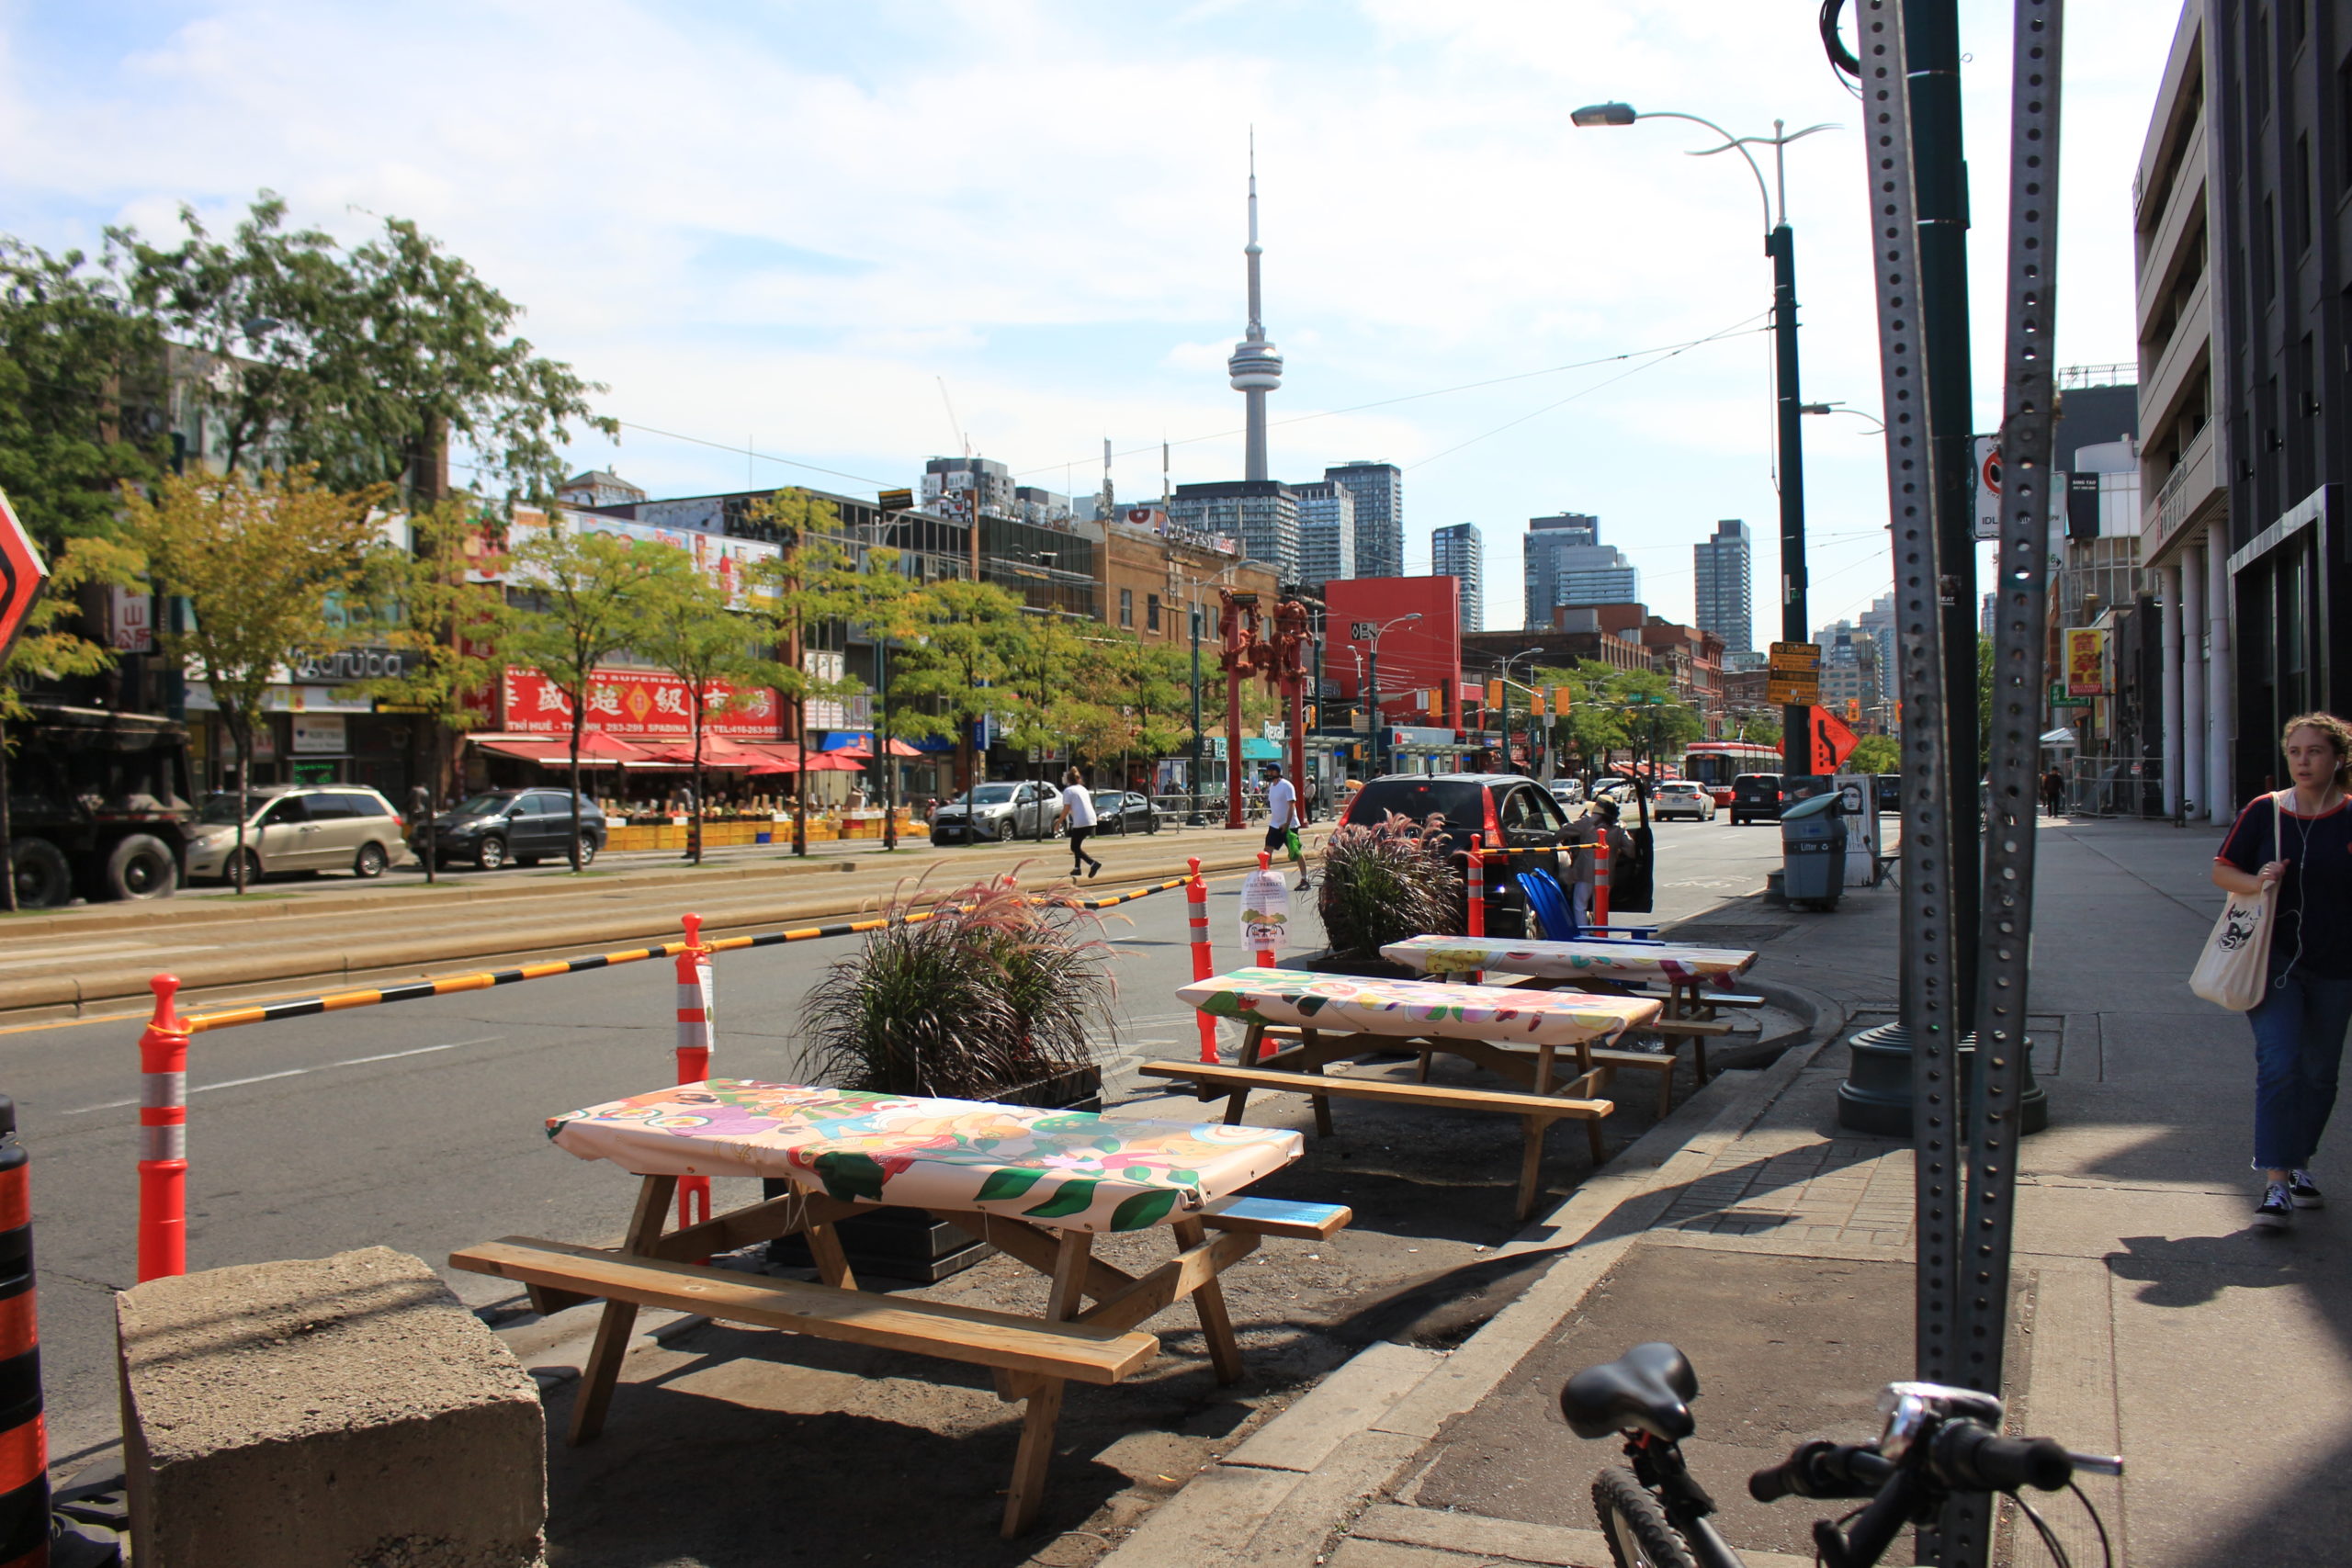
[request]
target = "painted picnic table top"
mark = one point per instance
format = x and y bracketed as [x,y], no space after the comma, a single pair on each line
[1570,959]
[1414,1009]
[1069,1170]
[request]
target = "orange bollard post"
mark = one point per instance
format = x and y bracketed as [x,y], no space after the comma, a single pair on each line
[1474,882]
[163,1138]
[1196,912]
[698,987]
[24,1431]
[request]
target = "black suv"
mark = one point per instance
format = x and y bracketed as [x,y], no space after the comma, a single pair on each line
[1755,797]
[524,826]
[1506,810]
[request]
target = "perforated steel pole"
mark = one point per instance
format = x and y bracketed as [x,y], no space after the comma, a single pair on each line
[1996,1097]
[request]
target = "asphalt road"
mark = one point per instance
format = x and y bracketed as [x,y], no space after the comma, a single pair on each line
[421,1126]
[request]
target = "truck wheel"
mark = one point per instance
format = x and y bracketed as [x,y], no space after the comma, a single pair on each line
[141,866]
[44,880]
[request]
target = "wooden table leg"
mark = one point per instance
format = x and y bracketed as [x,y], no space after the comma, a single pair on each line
[1208,1300]
[1029,1465]
[603,1367]
[1531,1164]
[1322,1102]
[1592,1127]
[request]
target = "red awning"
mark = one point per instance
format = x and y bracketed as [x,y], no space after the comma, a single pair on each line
[524,749]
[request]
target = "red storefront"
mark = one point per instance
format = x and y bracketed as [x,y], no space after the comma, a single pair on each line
[1417,658]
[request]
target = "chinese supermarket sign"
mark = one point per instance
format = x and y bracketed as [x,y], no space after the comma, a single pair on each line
[634,704]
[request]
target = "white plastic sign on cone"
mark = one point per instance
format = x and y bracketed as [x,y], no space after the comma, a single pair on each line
[1265,910]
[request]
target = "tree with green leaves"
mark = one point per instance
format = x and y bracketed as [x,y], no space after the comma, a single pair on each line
[894,612]
[450,630]
[691,626]
[573,603]
[367,362]
[1875,754]
[966,662]
[82,393]
[809,587]
[265,562]
[1761,728]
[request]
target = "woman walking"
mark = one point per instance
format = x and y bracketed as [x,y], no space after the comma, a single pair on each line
[1077,810]
[2299,841]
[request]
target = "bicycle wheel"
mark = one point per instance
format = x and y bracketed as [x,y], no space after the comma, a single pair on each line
[1638,1534]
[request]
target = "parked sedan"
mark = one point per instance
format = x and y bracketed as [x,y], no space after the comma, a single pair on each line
[1124,811]
[523,826]
[308,828]
[1682,797]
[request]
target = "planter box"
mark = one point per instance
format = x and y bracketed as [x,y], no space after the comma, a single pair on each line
[909,1244]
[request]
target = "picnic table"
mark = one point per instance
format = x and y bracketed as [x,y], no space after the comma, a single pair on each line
[1684,969]
[1038,1184]
[1519,1035]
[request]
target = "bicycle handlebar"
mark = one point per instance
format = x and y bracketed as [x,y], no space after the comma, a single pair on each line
[1820,1469]
[1973,1458]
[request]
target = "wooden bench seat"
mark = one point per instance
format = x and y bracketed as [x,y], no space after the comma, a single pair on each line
[1077,1350]
[1536,1111]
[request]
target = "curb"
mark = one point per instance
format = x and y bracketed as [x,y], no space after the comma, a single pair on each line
[1306,1476]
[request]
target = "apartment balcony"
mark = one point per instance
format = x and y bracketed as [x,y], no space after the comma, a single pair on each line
[2195,487]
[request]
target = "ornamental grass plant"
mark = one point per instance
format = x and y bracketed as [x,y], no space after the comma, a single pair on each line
[969,995]
[1383,882]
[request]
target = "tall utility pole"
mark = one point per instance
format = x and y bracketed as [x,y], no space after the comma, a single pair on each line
[1781,244]
[1931,44]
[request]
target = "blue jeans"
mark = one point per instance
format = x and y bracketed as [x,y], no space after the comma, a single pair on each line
[2298,1042]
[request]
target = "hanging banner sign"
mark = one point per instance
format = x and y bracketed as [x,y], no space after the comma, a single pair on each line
[632,703]
[2086,661]
[1265,910]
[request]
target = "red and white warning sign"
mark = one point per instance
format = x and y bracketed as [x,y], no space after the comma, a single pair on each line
[22,577]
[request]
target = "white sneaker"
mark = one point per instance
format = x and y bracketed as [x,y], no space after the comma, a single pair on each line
[2276,1211]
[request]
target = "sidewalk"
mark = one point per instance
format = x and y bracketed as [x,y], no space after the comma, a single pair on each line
[1776,1250]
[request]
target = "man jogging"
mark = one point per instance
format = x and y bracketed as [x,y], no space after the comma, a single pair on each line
[1077,810]
[1282,818]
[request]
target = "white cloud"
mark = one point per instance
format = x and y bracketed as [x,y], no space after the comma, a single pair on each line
[788,220]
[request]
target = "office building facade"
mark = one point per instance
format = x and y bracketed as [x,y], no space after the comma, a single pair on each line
[1327,532]
[1261,513]
[1726,604]
[1378,492]
[1457,551]
[1566,563]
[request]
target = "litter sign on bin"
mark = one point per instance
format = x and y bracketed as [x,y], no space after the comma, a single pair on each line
[1265,910]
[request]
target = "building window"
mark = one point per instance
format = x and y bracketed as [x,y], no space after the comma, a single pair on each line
[1151,612]
[2304,202]
[2265,246]
[1127,606]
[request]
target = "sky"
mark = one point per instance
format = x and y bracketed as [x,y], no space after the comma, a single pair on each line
[817,243]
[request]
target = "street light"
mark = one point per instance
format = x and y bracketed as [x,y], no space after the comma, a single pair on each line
[1779,243]
[1373,679]
[1508,662]
[1878,425]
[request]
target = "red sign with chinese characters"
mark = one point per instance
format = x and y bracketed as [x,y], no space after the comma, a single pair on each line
[634,704]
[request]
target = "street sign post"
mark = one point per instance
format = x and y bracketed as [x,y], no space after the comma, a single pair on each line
[1794,678]
[1362,631]
[22,577]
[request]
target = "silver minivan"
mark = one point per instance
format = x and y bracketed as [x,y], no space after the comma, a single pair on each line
[308,828]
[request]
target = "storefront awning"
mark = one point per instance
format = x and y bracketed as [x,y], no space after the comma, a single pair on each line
[525,751]
[2062,736]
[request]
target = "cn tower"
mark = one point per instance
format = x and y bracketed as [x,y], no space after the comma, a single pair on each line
[1255,368]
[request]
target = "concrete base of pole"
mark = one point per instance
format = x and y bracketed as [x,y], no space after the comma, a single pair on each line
[1876,1096]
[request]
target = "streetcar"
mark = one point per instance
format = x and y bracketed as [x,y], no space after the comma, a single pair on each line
[1712,764]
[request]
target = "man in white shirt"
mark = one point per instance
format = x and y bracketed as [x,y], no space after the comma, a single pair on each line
[1077,810]
[1282,817]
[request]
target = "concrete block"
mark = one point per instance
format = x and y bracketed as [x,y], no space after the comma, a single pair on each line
[346,1412]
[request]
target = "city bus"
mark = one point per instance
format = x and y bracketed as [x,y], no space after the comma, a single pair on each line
[1712,764]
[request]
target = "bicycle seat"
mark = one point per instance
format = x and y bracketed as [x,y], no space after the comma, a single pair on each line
[1647,1389]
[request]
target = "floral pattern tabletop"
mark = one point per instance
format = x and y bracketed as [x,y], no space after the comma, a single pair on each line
[1069,1170]
[1570,960]
[1413,1009]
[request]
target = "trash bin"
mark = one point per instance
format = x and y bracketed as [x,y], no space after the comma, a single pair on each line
[1813,851]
